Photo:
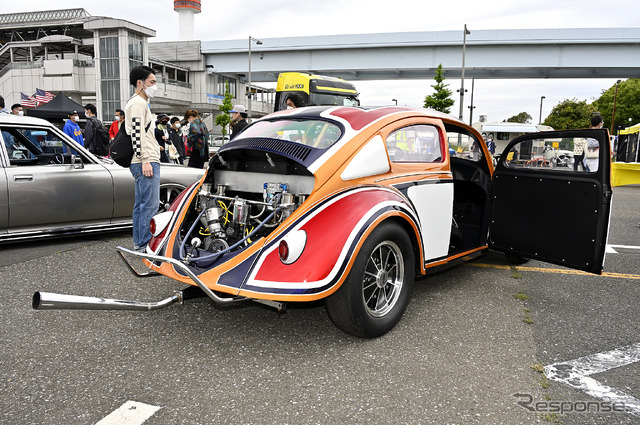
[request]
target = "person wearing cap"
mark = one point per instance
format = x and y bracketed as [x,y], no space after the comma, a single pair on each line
[592,147]
[72,129]
[162,136]
[238,120]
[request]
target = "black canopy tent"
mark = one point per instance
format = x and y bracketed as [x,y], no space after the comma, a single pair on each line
[57,109]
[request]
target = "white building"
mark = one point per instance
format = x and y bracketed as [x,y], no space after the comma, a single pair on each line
[88,58]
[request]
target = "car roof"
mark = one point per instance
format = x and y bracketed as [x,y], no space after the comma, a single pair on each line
[358,115]
[18,119]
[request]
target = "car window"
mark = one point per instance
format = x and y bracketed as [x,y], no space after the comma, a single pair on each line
[464,145]
[415,143]
[315,133]
[563,154]
[32,146]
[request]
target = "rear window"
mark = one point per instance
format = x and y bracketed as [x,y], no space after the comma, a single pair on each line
[314,133]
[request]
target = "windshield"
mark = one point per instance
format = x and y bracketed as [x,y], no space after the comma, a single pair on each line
[314,133]
[332,99]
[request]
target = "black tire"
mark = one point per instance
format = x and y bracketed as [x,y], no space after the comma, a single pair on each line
[384,266]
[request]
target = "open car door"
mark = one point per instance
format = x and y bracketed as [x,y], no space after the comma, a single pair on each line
[550,204]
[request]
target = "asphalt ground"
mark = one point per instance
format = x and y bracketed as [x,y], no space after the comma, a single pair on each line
[465,346]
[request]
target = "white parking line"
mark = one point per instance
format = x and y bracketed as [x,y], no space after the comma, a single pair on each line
[576,373]
[611,249]
[130,413]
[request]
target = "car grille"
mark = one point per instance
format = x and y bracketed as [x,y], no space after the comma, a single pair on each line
[291,149]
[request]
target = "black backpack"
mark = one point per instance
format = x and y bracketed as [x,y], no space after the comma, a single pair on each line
[100,143]
[122,147]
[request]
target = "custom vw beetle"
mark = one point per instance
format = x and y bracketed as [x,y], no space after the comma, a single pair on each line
[350,204]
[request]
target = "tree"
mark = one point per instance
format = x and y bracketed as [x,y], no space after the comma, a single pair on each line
[224,118]
[627,105]
[570,114]
[440,100]
[522,117]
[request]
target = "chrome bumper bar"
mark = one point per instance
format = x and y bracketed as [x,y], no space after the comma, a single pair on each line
[153,258]
[52,301]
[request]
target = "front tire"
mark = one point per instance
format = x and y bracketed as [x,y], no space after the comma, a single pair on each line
[376,292]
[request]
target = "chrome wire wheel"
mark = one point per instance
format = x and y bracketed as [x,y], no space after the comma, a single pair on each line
[383,279]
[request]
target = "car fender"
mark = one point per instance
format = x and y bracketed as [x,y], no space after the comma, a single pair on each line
[335,229]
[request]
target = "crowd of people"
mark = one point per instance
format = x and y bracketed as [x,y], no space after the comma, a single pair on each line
[170,140]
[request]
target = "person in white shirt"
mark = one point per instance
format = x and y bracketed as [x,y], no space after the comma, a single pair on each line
[145,164]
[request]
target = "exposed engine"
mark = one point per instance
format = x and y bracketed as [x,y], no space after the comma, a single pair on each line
[222,222]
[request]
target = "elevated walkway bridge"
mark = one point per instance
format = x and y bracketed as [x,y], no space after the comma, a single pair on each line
[490,54]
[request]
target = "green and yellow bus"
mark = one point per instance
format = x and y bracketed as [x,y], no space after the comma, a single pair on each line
[315,90]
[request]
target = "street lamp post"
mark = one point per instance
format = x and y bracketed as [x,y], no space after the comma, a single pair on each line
[615,99]
[471,107]
[249,101]
[464,48]
[541,99]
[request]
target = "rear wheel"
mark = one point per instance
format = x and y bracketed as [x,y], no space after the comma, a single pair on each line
[375,294]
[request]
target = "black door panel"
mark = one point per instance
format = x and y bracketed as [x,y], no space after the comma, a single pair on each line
[550,212]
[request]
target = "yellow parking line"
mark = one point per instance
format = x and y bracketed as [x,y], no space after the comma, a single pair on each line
[557,271]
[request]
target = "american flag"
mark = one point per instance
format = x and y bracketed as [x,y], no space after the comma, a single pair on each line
[27,101]
[43,96]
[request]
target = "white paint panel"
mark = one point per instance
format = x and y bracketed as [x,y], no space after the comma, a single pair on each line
[370,161]
[130,413]
[434,205]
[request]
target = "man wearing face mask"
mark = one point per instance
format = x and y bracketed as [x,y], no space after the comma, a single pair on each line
[72,129]
[115,125]
[16,109]
[238,120]
[176,138]
[145,164]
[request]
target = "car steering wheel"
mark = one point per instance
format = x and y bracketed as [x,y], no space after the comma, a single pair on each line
[56,158]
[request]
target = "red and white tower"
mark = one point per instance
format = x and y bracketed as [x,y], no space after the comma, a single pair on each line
[187,9]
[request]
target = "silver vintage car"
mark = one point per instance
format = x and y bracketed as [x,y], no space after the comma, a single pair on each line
[51,186]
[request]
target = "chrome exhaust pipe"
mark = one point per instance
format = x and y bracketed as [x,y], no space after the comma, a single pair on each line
[51,301]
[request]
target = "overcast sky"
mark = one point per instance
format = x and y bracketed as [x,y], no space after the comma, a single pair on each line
[499,99]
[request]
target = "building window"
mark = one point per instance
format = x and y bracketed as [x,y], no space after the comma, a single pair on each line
[135,48]
[109,77]
[222,81]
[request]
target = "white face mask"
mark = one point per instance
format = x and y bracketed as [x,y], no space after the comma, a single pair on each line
[290,107]
[20,112]
[151,90]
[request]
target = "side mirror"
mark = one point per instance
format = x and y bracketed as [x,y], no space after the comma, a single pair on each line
[76,161]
